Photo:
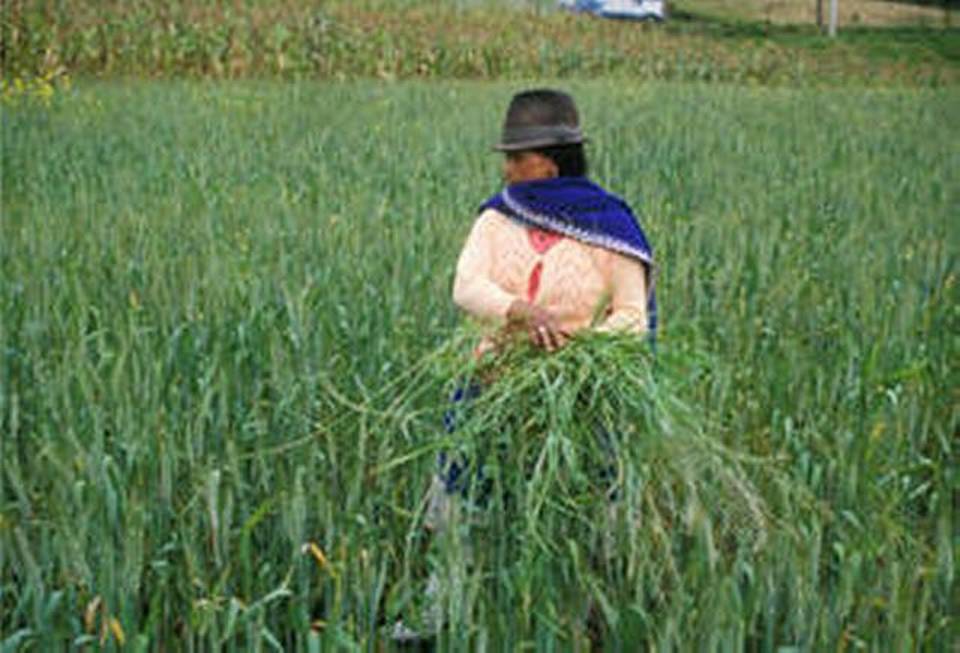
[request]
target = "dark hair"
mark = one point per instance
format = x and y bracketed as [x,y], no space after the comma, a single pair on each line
[571,160]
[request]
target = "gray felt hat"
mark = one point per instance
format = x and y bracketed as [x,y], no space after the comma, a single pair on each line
[540,118]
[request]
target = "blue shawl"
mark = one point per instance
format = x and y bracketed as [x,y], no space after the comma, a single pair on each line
[580,209]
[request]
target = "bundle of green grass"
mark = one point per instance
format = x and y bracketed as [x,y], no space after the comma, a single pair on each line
[589,492]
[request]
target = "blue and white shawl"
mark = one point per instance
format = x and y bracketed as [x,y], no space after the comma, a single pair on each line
[580,209]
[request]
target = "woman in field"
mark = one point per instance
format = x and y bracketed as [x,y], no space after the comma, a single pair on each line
[553,253]
[550,255]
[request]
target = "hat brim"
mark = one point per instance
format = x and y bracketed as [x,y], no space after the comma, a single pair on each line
[534,144]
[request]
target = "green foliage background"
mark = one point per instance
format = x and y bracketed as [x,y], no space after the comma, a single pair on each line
[225,307]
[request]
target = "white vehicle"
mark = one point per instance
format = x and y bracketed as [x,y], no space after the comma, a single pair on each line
[622,9]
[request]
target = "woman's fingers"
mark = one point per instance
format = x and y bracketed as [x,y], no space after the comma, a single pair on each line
[560,338]
[548,337]
[541,325]
[538,335]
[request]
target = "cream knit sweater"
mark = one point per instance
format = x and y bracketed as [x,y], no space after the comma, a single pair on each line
[503,260]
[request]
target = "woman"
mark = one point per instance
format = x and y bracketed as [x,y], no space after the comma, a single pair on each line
[553,251]
[552,254]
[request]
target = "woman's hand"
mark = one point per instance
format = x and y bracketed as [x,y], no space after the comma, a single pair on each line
[541,325]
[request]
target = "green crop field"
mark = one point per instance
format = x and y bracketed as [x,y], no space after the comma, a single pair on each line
[227,342]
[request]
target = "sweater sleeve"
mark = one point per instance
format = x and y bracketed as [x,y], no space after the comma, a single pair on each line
[473,288]
[628,300]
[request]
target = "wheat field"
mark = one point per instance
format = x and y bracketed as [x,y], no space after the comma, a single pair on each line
[228,344]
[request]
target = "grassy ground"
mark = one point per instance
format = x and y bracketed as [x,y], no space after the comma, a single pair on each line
[757,42]
[220,306]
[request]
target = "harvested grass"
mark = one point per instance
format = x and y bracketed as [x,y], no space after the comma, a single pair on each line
[592,484]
